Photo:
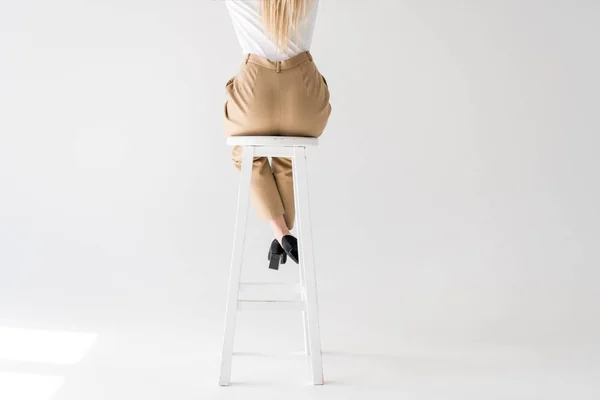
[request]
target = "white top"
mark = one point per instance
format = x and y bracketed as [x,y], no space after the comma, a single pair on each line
[250,30]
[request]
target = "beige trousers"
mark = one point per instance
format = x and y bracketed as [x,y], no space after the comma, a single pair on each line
[267,98]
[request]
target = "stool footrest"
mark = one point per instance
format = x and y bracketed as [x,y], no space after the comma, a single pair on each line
[244,305]
[262,287]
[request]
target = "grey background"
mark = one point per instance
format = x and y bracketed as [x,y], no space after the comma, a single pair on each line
[455,193]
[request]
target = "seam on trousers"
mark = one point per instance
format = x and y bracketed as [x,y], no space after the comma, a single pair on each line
[279,96]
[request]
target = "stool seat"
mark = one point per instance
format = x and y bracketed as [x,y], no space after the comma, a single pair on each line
[272,141]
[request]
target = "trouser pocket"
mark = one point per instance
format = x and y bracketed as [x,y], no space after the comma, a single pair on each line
[229,84]
[324,80]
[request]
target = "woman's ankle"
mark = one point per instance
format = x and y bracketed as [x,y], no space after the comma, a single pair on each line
[279,228]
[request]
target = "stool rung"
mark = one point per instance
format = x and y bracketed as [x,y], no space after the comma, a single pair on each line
[244,305]
[280,287]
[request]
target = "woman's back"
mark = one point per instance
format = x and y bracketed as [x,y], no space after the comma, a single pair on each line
[253,37]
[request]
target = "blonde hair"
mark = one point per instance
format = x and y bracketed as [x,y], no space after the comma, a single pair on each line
[281,18]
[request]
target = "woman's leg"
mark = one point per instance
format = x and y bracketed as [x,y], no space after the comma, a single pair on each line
[264,192]
[308,110]
[279,227]
[282,172]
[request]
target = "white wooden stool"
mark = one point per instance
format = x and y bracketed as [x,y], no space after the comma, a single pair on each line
[275,146]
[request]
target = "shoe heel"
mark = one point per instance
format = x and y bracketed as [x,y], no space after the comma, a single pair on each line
[274,260]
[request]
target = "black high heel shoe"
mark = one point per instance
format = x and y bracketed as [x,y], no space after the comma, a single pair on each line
[276,255]
[290,245]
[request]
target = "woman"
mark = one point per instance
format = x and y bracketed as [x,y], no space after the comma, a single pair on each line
[278,91]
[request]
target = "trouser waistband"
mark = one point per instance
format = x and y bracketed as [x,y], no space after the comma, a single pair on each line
[279,65]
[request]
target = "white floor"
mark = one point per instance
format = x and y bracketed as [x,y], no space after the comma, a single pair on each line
[167,360]
[150,327]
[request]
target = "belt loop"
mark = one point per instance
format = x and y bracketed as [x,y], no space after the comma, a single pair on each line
[309,55]
[278,66]
[247,58]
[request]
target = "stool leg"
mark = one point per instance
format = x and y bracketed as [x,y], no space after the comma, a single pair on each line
[303,295]
[307,262]
[304,313]
[237,257]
